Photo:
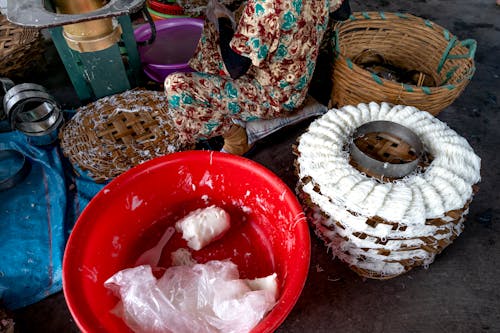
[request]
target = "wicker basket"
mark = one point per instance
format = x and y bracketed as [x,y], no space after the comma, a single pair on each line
[115,133]
[20,48]
[407,42]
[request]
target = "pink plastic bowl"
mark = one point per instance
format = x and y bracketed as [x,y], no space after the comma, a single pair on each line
[268,233]
[175,43]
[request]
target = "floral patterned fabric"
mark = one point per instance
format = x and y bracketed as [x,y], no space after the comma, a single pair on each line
[281,37]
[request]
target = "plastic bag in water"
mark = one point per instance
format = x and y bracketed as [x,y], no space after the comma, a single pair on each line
[198,298]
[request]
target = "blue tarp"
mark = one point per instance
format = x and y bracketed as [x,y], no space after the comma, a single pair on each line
[36,217]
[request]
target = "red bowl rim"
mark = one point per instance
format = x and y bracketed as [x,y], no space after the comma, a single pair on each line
[165,8]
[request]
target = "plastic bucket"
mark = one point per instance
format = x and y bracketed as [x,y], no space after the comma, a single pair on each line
[268,233]
[175,43]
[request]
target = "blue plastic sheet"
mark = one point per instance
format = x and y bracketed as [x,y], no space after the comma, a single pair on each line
[36,217]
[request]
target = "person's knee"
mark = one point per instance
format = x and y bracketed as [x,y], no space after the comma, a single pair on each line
[174,83]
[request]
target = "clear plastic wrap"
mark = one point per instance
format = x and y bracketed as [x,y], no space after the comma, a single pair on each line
[197,298]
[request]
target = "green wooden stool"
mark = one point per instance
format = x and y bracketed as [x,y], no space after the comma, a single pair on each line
[94,74]
[101,73]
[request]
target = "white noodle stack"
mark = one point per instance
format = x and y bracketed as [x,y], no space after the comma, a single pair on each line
[384,228]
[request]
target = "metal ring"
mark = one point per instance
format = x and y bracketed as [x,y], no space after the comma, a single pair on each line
[38,113]
[20,108]
[20,88]
[386,169]
[11,102]
[24,87]
[18,175]
[38,128]
[5,85]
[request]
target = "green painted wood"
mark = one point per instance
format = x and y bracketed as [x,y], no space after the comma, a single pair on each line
[102,73]
[105,71]
[134,61]
[72,63]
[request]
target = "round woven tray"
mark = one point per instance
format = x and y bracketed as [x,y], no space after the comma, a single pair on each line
[107,137]
[20,48]
[406,42]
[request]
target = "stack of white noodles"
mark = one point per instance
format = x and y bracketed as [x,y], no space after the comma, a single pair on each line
[382,229]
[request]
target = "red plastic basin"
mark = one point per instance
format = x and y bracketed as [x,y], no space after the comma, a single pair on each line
[268,233]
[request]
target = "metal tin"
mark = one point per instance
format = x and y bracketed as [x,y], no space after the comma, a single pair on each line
[47,136]
[23,87]
[17,89]
[17,107]
[21,104]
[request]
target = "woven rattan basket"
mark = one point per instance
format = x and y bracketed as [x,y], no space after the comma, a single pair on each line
[20,48]
[107,137]
[407,42]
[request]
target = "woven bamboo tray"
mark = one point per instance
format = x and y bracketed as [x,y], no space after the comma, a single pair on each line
[20,48]
[407,42]
[107,137]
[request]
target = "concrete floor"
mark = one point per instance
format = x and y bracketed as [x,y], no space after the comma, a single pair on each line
[460,291]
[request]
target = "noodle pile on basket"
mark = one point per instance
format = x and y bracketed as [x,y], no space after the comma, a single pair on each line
[384,227]
[113,134]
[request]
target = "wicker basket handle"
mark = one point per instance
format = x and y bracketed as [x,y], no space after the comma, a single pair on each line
[335,37]
[470,44]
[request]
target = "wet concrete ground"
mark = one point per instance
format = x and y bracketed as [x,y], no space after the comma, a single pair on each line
[460,291]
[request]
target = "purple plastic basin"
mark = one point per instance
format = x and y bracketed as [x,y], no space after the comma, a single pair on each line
[175,43]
